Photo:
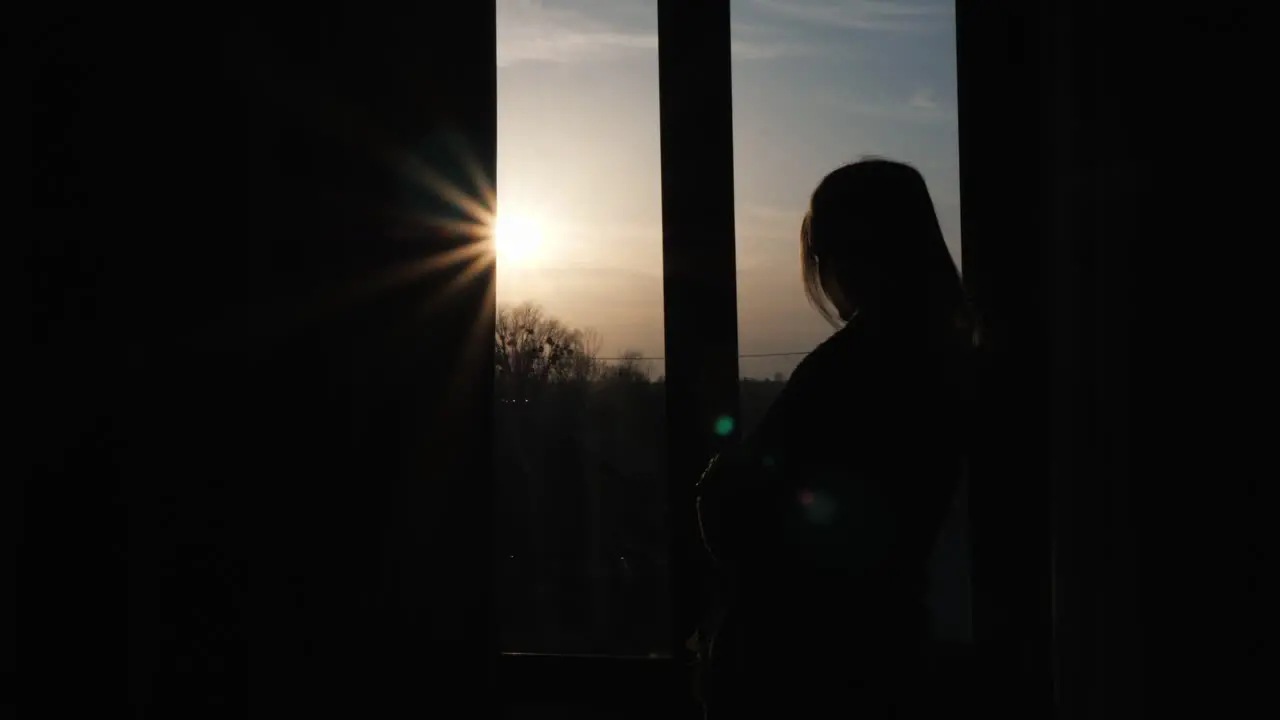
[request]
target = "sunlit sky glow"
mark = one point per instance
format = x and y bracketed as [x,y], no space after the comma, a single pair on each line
[815,84]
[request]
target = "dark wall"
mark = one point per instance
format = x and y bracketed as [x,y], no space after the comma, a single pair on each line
[266,498]
[300,451]
[1001,66]
[1109,211]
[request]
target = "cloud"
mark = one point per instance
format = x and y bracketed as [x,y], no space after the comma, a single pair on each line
[923,99]
[878,15]
[534,31]
[766,50]
[757,42]
[921,107]
[530,31]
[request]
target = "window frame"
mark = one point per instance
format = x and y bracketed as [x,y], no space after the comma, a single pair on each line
[1010,601]
[701,335]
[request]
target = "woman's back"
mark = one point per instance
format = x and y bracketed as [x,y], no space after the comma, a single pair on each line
[822,522]
[824,518]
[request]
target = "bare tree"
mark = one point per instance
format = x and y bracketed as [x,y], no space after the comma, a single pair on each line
[630,368]
[532,348]
[586,367]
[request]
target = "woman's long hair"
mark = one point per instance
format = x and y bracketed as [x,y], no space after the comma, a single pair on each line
[873,224]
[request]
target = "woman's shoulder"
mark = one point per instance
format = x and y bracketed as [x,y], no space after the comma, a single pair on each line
[836,355]
[870,363]
[819,386]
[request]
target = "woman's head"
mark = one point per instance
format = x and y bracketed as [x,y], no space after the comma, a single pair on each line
[871,245]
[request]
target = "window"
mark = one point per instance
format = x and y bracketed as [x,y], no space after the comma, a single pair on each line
[816,85]
[580,461]
[581,451]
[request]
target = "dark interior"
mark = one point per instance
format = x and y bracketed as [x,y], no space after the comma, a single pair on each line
[297,497]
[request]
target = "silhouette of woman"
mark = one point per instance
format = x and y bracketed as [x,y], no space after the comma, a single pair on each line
[821,522]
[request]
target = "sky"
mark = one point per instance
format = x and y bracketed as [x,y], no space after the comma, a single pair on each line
[815,84]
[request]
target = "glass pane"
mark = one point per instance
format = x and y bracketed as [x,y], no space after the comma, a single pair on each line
[816,85]
[580,460]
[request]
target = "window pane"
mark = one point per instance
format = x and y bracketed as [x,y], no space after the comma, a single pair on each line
[580,460]
[816,85]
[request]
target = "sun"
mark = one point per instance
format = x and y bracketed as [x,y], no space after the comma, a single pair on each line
[517,239]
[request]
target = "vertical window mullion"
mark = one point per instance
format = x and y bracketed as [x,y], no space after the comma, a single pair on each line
[699,278]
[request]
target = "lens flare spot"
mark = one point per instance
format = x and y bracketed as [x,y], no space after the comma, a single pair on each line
[724,425]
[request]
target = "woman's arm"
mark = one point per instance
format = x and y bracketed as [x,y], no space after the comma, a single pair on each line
[728,506]
[811,491]
[743,492]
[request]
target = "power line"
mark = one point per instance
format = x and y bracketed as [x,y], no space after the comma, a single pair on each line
[785,354]
[747,355]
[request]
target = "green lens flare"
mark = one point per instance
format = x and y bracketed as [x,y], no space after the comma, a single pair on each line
[724,425]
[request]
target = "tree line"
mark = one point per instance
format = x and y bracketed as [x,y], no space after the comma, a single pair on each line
[533,349]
